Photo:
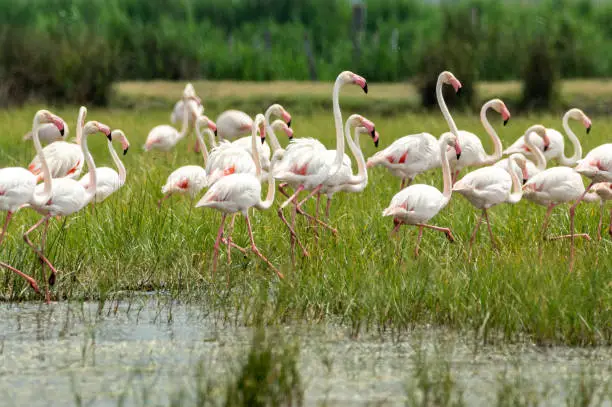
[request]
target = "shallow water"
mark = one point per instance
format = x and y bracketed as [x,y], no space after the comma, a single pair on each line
[146,352]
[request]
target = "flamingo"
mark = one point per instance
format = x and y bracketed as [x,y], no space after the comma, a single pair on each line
[18,186]
[552,187]
[554,147]
[190,179]
[195,104]
[473,153]
[303,164]
[344,180]
[48,133]
[490,186]
[604,191]
[414,154]
[164,137]
[109,181]
[64,159]
[232,124]
[418,203]
[68,196]
[238,193]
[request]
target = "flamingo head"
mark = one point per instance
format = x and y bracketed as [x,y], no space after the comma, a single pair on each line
[521,161]
[119,135]
[94,127]
[208,122]
[449,79]
[45,116]
[578,114]
[453,142]
[500,107]
[281,125]
[261,121]
[350,77]
[369,126]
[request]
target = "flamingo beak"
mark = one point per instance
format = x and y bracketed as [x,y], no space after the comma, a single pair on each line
[125,150]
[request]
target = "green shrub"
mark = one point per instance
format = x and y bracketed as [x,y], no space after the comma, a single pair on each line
[541,77]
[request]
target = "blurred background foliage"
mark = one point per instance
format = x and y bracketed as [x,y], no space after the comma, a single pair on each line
[72,50]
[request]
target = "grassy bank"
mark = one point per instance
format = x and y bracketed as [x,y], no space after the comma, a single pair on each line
[363,277]
[592,95]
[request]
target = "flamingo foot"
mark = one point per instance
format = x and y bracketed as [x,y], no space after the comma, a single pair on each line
[575,235]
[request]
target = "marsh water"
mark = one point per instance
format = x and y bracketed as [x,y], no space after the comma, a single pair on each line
[144,353]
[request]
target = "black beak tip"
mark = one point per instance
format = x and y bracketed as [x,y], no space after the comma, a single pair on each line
[290,137]
[365,88]
[373,133]
[289,123]
[215,132]
[376,144]
[524,181]
[109,137]
[62,131]
[458,92]
[125,151]
[263,140]
[546,147]
[588,129]
[458,156]
[506,121]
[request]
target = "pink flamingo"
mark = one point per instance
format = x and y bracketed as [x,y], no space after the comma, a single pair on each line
[604,191]
[238,193]
[303,165]
[18,185]
[68,196]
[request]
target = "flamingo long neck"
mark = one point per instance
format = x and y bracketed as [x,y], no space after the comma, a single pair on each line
[540,159]
[338,124]
[270,131]
[564,160]
[517,190]
[200,138]
[80,124]
[362,174]
[444,108]
[267,203]
[497,144]
[446,172]
[118,163]
[46,195]
[93,177]
[185,125]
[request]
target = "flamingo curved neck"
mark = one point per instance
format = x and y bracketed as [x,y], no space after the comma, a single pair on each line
[185,125]
[362,174]
[267,203]
[200,139]
[118,163]
[446,172]
[48,188]
[338,124]
[517,190]
[93,177]
[497,145]
[540,159]
[564,160]
[270,131]
[444,108]
[80,124]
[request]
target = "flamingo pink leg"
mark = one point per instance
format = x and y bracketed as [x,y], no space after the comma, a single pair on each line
[29,279]
[320,222]
[282,216]
[256,250]
[486,215]
[600,223]
[229,239]
[473,238]
[328,206]
[610,228]
[455,176]
[418,242]
[40,254]
[234,245]
[582,235]
[447,231]
[403,184]
[572,213]
[396,228]
[9,215]
[546,219]
[161,201]
[217,242]
[51,280]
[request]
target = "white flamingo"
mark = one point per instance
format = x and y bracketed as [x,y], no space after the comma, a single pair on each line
[604,191]
[418,203]
[233,124]
[553,146]
[68,196]
[195,104]
[164,137]
[48,133]
[65,159]
[189,179]
[473,153]
[344,180]
[303,165]
[238,193]
[490,186]
[414,154]
[552,187]
[18,185]
[109,180]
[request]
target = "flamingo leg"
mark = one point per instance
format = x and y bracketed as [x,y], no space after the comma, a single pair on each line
[418,242]
[572,213]
[256,250]
[320,222]
[229,239]
[600,223]
[40,254]
[455,176]
[51,280]
[403,184]
[396,228]
[282,216]
[328,206]
[293,238]
[159,203]
[281,189]
[546,219]
[486,216]
[447,231]
[582,235]
[217,242]
[473,237]
[7,220]
[29,279]
[234,245]
[610,228]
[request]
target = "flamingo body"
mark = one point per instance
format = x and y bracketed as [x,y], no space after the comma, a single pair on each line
[304,163]
[177,112]
[232,124]
[227,159]
[485,187]
[108,181]
[48,133]
[408,156]
[189,179]
[63,158]
[233,193]
[416,204]
[17,186]
[553,186]
[163,137]
[555,148]
[597,164]
[532,169]
[67,197]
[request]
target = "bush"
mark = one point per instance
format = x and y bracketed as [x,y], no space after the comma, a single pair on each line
[541,77]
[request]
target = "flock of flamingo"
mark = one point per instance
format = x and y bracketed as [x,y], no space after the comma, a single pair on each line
[241,160]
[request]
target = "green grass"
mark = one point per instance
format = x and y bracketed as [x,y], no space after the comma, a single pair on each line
[362,278]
